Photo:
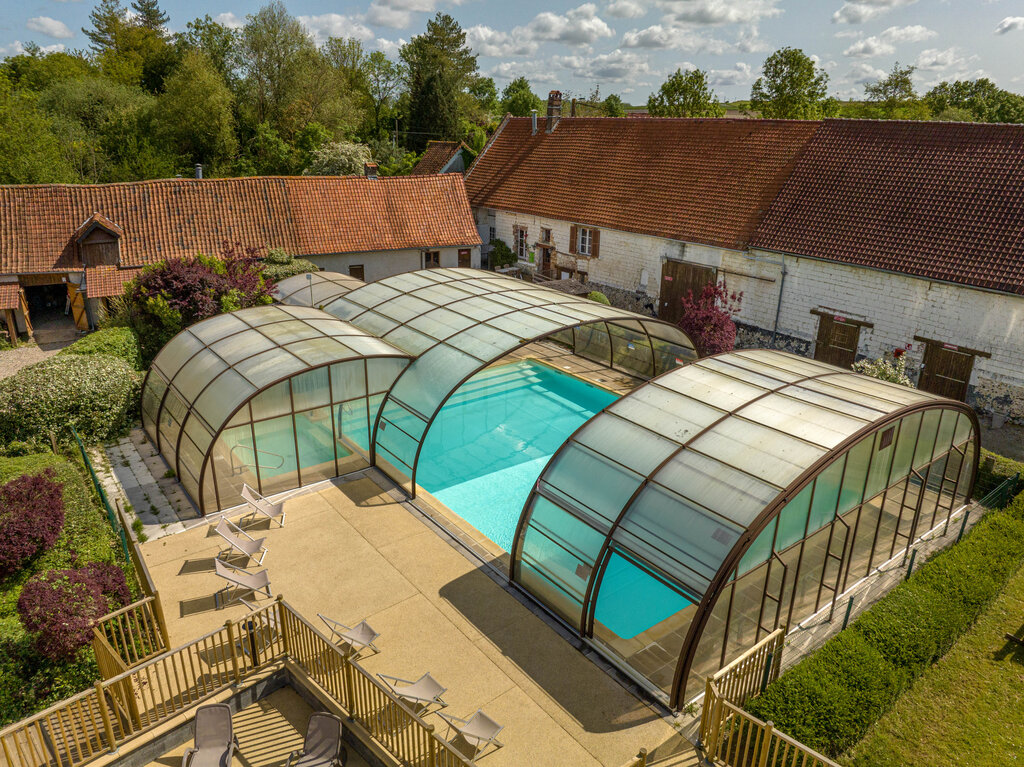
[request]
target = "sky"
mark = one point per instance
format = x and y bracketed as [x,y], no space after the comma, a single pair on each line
[629,47]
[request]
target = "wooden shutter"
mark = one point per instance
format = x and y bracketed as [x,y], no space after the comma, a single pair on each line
[595,242]
[946,372]
[573,234]
[837,341]
[78,307]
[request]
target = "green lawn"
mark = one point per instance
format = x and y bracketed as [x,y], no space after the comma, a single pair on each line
[27,682]
[968,709]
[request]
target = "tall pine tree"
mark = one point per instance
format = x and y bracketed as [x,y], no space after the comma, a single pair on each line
[149,15]
[108,19]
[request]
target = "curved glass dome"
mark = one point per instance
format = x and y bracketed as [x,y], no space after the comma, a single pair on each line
[273,396]
[731,496]
[314,288]
[455,322]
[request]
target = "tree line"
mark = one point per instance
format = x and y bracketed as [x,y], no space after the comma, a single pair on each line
[793,87]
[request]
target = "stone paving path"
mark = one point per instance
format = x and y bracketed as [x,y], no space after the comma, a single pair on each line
[133,472]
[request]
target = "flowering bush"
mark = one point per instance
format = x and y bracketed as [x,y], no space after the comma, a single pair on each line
[888,367]
[60,606]
[31,518]
[707,318]
[97,394]
[172,295]
[118,342]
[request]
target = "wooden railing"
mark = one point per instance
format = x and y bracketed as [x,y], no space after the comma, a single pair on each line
[132,700]
[135,633]
[732,737]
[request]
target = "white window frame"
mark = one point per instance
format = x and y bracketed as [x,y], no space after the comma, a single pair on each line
[522,246]
[584,240]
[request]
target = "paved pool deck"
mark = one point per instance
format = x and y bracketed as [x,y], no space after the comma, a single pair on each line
[353,551]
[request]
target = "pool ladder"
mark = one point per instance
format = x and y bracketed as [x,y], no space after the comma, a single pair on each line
[242,465]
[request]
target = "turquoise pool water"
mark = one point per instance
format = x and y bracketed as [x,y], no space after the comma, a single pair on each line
[486,449]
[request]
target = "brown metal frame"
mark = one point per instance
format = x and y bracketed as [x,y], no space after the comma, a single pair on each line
[721,578]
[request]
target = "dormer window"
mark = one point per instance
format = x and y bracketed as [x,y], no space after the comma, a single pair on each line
[99,241]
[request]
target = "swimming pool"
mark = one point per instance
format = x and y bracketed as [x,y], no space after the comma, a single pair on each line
[489,444]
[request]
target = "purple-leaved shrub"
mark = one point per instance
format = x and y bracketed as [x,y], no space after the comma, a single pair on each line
[31,518]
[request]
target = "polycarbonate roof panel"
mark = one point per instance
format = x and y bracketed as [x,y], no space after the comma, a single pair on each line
[716,442]
[248,350]
[314,288]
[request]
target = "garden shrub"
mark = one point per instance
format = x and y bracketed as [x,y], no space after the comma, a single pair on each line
[30,682]
[500,254]
[279,265]
[830,698]
[707,318]
[59,607]
[599,297]
[97,394]
[31,518]
[17,448]
[120,342]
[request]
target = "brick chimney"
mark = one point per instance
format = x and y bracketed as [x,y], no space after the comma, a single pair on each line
[370,169]
[554,109]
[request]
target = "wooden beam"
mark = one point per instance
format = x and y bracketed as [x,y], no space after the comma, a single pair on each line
[12,326]
[842,318]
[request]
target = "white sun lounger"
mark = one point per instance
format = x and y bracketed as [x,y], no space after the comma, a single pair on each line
[351,639]
[241,541]
[478,732]
[240,582]
[262,507]
[419,694]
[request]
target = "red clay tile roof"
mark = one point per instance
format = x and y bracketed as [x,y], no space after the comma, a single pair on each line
[103,281]
[9,295]
[436,156]
[97,220]
[699,180]
[176,217]
[942,201]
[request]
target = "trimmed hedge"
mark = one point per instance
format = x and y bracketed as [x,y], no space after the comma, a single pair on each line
[120,342]
[98,394]
[830,699]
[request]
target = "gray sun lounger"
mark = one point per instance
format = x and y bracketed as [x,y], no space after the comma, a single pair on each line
[351,639]
[323,746]
[262,507]
[419,694]
[241,541]
[215,740]
[240,582]
[478,732]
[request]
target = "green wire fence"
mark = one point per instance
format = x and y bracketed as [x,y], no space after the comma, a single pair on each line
[112,516]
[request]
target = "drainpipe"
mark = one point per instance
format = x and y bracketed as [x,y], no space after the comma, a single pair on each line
[782,286]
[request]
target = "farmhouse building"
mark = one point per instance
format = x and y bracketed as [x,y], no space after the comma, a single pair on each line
[848,238]
[69,247]
[443,157]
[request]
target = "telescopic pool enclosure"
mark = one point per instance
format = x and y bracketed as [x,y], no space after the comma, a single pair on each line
[721,499]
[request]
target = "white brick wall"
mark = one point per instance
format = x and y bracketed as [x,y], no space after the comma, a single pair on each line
[385,263]
[899,306]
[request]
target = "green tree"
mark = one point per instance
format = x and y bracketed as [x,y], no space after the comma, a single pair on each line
[31,152]
[613,106]
[979,100]
[381,81]
[149,15]
[35,71]
[791,87]
[439,68]
[107,19]
[485,92]
[219,43]
[518,100]
[893,97]
[685,94]
[275,51]
[195,113]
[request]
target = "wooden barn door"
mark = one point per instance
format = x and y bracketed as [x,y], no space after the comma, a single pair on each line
[837,340]
[78,307]
[947,370]
[678,279]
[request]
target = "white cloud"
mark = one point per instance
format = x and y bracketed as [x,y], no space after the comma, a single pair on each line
[740,74]
[44,25]
[625,9]
[335,25]
[389,48]
[1009,24]
[229,20]
[397,14]
[935,60]
[579,26]
[863,73]
[617,66]
[716,12]
[658,37]
[17,48]
[884,43]
[749,41]
[488,41]
[859,11]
